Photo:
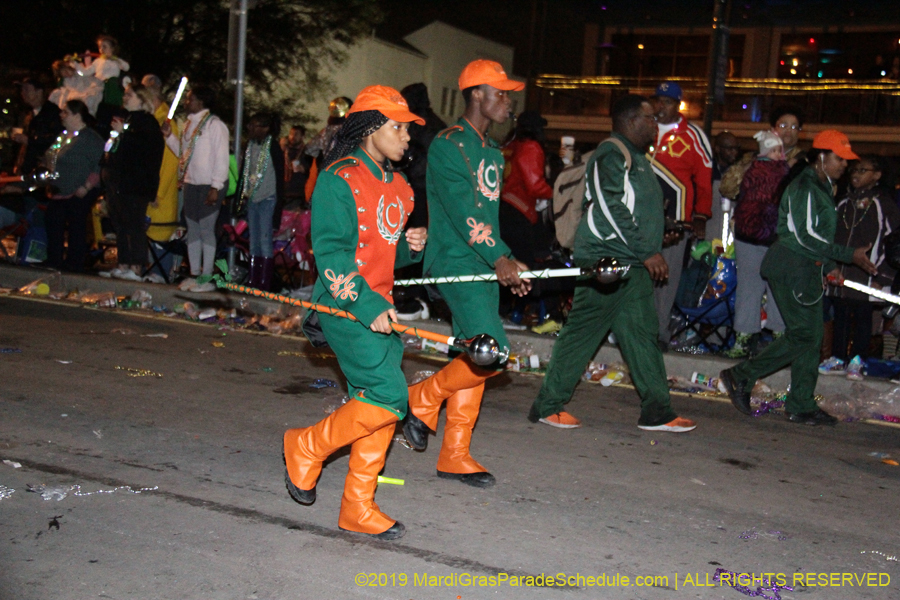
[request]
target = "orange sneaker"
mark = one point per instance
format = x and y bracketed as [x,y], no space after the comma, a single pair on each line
[562,420]
[676,425]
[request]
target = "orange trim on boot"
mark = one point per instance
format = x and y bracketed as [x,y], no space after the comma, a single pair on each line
[358,509]
[306,448]
[462,413]
[426,397]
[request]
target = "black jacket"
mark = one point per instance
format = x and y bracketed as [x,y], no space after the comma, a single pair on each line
[42,130]
[865,217]
[132,166]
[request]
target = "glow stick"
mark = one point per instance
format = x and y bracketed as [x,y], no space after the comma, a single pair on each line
[382,479]
[178,94]
[543,274]
[871,291]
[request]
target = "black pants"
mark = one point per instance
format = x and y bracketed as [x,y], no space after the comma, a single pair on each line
[68,216]
[852,328]
[128,215]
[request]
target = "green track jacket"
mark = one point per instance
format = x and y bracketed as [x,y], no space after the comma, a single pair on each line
[623,216]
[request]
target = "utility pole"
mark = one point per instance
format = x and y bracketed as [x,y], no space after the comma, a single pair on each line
[718,62]
[237,59]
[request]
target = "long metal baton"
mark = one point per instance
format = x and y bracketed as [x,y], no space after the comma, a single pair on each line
[543,274]
[893,299]
[605,270]
[482,349]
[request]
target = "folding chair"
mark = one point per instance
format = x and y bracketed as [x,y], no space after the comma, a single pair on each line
[160,251]
[712,322]
[25,241]
[10,247]
[236,236]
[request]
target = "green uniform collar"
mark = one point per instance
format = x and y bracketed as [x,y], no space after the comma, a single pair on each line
[486,141]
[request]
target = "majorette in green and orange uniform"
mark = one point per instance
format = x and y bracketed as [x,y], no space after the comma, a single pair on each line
[464,177]
[359,210]
[357,233]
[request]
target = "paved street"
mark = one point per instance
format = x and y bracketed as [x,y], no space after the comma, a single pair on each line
[203,440]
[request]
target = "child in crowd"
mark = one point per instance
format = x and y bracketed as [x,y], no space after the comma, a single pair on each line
[866,215]
[107,68]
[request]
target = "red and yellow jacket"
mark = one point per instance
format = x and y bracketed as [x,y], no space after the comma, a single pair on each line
[682,161]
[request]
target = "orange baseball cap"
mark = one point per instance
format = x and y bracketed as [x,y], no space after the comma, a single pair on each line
[837,142]
[387,101]
[481,71]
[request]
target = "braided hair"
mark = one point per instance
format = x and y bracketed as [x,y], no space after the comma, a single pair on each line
[357,126]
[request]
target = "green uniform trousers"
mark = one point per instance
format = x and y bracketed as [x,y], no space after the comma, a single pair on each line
[370,361]
[475,306]
[625,307]
[799,346]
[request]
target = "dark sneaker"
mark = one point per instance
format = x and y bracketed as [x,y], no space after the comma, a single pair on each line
[416,431]
[394,532]
[737,391]
[816,417]
[305,497]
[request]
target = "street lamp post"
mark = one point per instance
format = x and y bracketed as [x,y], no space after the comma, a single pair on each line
[718,62]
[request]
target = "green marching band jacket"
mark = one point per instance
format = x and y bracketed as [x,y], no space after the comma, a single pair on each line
[465,173]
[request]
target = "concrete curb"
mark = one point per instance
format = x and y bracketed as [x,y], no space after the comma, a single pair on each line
[677,363]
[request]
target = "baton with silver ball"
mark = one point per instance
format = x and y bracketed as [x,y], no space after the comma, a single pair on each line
[482,349]
[605,270]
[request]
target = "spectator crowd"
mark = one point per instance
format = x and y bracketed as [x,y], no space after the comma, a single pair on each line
[174,199]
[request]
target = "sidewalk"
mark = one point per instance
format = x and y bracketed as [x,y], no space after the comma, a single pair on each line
[677,363]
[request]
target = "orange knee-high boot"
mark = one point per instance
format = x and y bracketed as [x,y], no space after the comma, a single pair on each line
[426,397]
[306,448]
[359,512]
[454,461]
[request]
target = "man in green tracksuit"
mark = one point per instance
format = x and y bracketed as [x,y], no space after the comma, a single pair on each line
[624,220]
[795,265]
[465,173]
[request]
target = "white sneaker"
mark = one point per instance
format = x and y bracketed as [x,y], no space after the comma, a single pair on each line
[154,278]
[209,286]
[114,272]
[512,326]
[421,313]
[129,275]
[855,369]
[832,366]
[187,284]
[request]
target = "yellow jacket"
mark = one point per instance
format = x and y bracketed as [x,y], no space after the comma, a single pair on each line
[166,209]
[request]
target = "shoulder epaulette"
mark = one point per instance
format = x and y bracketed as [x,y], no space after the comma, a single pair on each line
[342,163]
[450,131]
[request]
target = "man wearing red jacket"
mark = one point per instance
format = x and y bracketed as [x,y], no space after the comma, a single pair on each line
[682,161]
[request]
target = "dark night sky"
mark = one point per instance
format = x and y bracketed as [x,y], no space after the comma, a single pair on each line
[562,29]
